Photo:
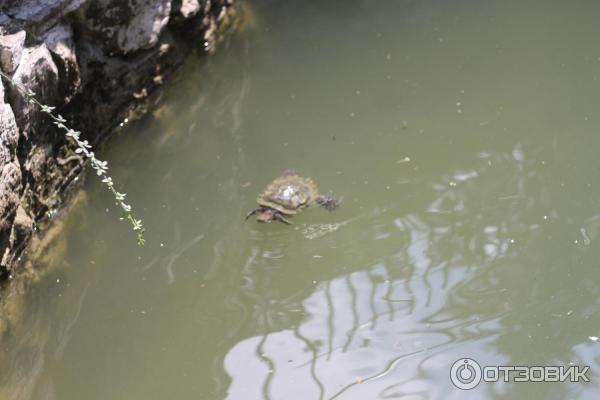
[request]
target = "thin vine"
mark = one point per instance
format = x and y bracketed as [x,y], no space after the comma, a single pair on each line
[83,147]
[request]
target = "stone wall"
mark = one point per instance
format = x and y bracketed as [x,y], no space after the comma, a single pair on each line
[93,60]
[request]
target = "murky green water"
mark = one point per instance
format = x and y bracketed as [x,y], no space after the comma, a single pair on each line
[463,138]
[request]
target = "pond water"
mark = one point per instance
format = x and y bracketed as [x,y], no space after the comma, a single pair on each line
[463,139]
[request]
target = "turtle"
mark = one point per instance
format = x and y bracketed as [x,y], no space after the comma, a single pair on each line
[287,195]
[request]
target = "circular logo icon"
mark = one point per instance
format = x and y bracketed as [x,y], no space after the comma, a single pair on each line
[465,373]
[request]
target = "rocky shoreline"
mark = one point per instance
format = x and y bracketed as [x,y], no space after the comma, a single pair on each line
[96,61]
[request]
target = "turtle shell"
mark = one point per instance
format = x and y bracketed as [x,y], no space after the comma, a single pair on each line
[289,194]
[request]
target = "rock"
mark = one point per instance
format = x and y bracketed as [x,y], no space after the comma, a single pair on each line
[42,172]
[11,49]
[120,48]
[37,72]
[10,175]
[123,79]
[59,41]
[4,21]
[9,134]
[126,26]
[22,228]
[23,223]
[40,14]
[189,8]
[37,162]
[10,187]
[8,26]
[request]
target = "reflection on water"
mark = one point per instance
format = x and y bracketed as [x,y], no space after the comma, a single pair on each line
[461,135]
[393,328]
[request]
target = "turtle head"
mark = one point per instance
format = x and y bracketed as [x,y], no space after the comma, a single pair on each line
[265,215]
